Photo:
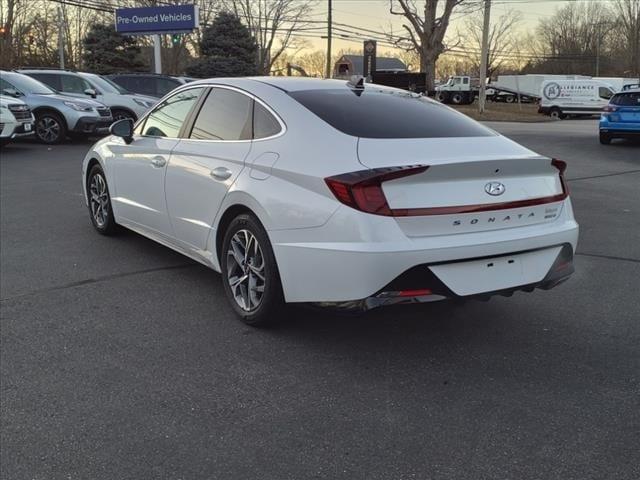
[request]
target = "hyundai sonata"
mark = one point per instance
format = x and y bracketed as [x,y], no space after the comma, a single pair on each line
[335,193]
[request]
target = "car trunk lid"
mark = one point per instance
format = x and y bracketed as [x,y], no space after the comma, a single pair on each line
[471,184]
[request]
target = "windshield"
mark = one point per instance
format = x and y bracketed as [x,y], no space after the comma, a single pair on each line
[27,85]
[104,84]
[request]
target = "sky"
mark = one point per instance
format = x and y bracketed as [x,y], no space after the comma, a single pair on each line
[374,15]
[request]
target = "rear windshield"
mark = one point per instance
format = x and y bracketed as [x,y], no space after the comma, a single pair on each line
[626,99]
[387,114]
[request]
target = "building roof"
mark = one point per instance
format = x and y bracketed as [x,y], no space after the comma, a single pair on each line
[382,63]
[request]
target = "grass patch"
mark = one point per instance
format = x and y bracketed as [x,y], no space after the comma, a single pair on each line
[504,112]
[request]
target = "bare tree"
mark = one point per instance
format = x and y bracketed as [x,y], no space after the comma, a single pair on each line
[628,17]
[574,38]
[426,29]
[502,40]
[273,24]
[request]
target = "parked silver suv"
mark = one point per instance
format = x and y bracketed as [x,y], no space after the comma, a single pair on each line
[56,115]
[89,85]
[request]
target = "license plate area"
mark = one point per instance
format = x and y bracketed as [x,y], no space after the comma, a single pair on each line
[496,273]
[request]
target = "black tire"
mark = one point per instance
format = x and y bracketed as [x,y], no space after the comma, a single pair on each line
[442,97]
[4,141]
[457,98]
[100,210]
[605,138]
[510,99]
[119,114]
[271,299]
[50,128]
[556,113]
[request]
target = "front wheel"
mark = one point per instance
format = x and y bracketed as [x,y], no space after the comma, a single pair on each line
[50,128]
[249,272]
[556,113]
[122,114]
[442,97]
[100,202]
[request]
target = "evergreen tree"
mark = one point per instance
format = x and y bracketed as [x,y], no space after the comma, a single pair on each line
[106,51]
[227,50]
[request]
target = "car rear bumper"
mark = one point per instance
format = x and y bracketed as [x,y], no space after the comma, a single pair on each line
[621,131]
[419,284]
[312,270]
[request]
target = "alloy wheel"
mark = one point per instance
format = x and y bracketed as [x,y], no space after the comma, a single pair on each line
[99,200]
[48,129]
[245,270]
[120,115]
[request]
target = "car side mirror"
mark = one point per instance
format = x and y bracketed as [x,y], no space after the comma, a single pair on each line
[124,129]
[12,92]
[91,92]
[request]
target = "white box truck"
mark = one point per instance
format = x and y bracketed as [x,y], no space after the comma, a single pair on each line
[562,98]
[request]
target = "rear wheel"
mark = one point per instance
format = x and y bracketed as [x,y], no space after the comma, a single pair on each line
[605,138]
[510,99]
[249,272]
[50,128]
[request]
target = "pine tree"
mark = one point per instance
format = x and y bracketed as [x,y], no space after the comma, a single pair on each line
[106,51]
[227,50]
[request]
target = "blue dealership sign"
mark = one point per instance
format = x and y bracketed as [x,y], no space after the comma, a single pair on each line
[148,20]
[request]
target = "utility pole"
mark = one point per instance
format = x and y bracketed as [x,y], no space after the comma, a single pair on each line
[157,54]
[61,37]
[598,50]
[485,55]
[327,72]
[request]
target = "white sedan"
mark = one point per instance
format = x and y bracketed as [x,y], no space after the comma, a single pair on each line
[335,193]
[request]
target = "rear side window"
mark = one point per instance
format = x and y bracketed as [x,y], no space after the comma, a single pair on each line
[167,119]
[225,115]
[165,85]
[626,99]
[73,84]
[264,124]
[387,114]
[48,79]
[140,84]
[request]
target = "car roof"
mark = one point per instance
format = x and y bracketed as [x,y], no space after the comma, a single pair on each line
[290,84]
[629,90]
[46,70]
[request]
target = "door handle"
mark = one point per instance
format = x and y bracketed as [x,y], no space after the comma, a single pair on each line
[220,173]
[158,161]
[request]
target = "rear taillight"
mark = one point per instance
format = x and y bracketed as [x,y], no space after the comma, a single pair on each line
[561,166]
[362,190]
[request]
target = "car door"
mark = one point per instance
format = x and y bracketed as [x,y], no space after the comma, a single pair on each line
[140,167]
[204,165]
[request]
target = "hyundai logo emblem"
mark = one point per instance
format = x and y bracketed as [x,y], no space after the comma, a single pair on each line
[494,188]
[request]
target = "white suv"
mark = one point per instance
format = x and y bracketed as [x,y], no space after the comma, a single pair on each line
[16,119]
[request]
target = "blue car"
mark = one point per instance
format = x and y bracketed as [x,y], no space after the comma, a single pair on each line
[621,118]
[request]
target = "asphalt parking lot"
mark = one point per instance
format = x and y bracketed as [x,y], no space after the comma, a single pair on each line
[121,359]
